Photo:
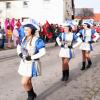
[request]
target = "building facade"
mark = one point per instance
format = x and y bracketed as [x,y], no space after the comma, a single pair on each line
[55,11]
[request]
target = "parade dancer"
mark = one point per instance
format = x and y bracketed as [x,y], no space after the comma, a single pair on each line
[88,36]
[30,49]
[65,41]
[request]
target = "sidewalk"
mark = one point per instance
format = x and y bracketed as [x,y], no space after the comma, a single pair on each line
[12,51]
[6,48]
[48,45]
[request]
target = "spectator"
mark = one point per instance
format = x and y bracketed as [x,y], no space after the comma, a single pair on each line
[9,35]
[2,38]
[15,36]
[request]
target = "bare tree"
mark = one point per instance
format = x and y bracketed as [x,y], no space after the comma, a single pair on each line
[84,12]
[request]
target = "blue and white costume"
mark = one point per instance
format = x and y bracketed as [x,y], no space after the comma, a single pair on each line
[67,39]
[34,48]
[88,36]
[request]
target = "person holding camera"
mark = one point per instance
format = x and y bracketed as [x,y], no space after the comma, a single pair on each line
[30,49]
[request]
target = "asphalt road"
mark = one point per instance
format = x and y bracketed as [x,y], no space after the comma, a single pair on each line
[45,85]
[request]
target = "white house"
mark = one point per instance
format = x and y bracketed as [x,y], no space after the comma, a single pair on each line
[55,11]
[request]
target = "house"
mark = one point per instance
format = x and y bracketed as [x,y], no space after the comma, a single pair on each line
[88,8]
[55,11]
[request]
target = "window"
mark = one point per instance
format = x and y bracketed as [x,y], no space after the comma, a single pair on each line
[8,5]
[46,0]
[0,11]
[25,4]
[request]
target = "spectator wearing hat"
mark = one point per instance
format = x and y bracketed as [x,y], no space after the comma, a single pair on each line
[30,49]
[65,41]
[88,36]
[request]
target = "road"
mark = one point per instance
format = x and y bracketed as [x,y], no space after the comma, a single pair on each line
[48,86]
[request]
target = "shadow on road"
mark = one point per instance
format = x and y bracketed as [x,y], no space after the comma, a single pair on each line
[74,74]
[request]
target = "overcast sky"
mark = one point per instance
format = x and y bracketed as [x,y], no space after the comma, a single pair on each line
[88,4]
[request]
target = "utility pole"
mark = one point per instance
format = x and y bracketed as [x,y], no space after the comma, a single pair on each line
[73,9]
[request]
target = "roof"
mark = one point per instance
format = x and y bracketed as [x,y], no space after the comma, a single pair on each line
[97,16]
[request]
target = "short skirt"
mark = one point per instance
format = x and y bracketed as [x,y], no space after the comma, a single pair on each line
[29,68]
[66,52]
[86,46]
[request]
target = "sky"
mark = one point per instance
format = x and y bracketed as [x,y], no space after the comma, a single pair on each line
[88,4]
